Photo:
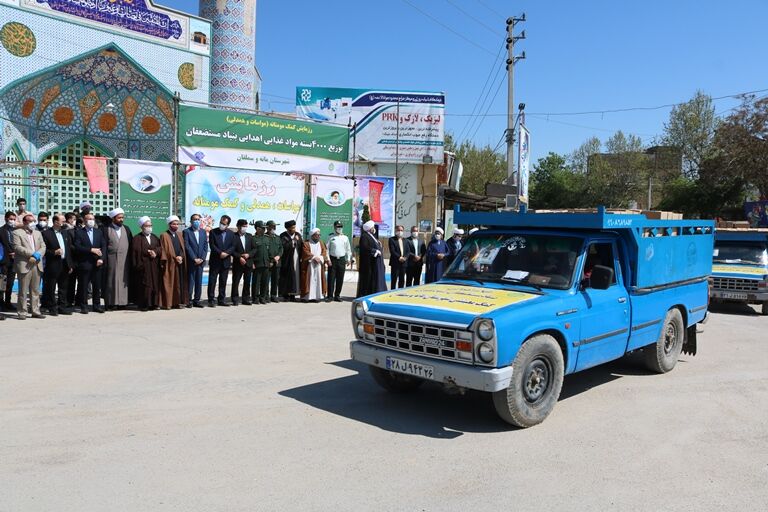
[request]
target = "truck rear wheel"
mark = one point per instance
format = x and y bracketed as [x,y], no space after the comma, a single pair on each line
[394,382]
[662,356]
[537,378]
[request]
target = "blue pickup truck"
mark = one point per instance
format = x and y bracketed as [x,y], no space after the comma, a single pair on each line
[740,267]
[536,296]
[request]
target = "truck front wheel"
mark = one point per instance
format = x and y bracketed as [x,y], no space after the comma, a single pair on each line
[662,356]
[537,378]
[394,382]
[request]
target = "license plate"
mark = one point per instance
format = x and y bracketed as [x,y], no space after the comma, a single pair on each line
[737,296]
[424,371]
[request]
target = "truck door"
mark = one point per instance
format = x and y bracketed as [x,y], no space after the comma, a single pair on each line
[605,313]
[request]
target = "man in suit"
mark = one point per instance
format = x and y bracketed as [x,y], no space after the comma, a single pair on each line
[399,251]
[196,242]
[90,250]
[455,244]
[70,224]
[242,263]
[418,249]
[222,243]
[58,267]
[6,264]
[30,248]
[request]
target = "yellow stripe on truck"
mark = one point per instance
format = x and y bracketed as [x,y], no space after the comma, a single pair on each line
[463,299]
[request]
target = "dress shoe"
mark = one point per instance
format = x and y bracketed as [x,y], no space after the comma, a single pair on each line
[53,312]
[197,305]
[189,305]
[235,303]
[247,303]
[273,299]
[84,310]
[37,315]
[224,304]
[99,310]
[22,317]
[337,299]
[263,301]
[211,304]
[64,311]
[327,299]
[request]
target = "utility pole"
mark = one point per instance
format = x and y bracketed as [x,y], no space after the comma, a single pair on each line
[511,60]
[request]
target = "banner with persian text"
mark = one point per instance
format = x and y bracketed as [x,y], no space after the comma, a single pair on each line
[332,200]
[241,194]
[375,200]
[523,163]
[389,125]
[145,189]
[220,138]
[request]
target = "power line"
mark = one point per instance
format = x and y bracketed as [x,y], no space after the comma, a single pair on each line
[607,130]
[479,22]
[490,104]
[480,96]
[616,110]
[459,34]
[494,11]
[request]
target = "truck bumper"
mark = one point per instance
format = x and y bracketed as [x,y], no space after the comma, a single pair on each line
[472,377]
[735,296]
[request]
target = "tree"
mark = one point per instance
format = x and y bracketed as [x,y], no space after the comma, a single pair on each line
[617,177]
[555,185]
[691,128]
[481,165]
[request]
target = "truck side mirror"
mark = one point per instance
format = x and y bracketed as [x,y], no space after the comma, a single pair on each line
[601,277]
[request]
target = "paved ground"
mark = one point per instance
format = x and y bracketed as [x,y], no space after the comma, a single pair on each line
[259,408]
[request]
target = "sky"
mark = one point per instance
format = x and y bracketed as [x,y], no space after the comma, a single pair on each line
[581,56]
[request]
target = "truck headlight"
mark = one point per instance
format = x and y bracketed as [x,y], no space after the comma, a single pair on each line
[359,310]
[485,352]
[485,330]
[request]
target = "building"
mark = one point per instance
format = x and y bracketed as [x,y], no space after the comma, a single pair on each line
[104,79]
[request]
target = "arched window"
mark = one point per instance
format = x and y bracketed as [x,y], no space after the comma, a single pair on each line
[69,182]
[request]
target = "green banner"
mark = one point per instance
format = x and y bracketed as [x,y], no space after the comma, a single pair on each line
[219,138]
[145,189]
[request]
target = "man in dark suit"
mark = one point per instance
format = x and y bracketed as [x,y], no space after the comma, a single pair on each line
[242,263]
[222,243]
[196,243]
[58,266]
[455,243]
[418,249]
[90,251]
[399,251]
[6,264]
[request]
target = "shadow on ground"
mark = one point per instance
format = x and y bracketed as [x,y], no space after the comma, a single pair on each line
[733,308]
[430,412]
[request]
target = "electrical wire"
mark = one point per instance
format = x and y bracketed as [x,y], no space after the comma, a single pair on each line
[497,13]
[460,139]
[490,104]
[459,34]
[479,22]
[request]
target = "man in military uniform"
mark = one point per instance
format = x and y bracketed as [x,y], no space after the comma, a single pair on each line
[275,252]
[340,251]
[260,291]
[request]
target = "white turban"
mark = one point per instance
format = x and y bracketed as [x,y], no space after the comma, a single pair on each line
[314,231]
[83,204]
[172,218]
[114,213]
[474,230]
[368,225]
[143,220]
[439,230]
[458,231]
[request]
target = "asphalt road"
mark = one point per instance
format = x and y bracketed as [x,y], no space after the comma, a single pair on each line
[260,408]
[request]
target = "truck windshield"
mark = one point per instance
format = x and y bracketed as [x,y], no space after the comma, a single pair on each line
[740,252]
[541,261]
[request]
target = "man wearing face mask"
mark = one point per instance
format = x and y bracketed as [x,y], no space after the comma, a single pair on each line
[173,271]
[90,251]
[275,254]
[196,243]
[242,263]
[21,208]
[222,244]
[340,252]
[399,252]
[260,261]
[436,253]
[118,269]
[454,246]
[58,267]
[145,259]
[7,262]
[71,222]
[42,221]
[418,249]
[30,249]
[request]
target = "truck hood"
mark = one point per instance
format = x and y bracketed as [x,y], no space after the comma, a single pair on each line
[450,302]
[757,272]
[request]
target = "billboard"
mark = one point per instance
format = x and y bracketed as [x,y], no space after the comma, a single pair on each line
[241,194]
[389,125]
[145,189]
[220,138]
[523,163]
[332,200]
[377,193]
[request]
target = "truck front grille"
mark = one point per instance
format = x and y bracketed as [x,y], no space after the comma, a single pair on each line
[420,339]
[734,284]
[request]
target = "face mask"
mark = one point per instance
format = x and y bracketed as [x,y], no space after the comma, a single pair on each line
[414,234]
[147,230]
[438,236]
[223,227]
[196,224]
[339,231]
[173,228]
[90,223]
[243,229]
[12,223]
[22,208]
[399,234]
[42,224]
